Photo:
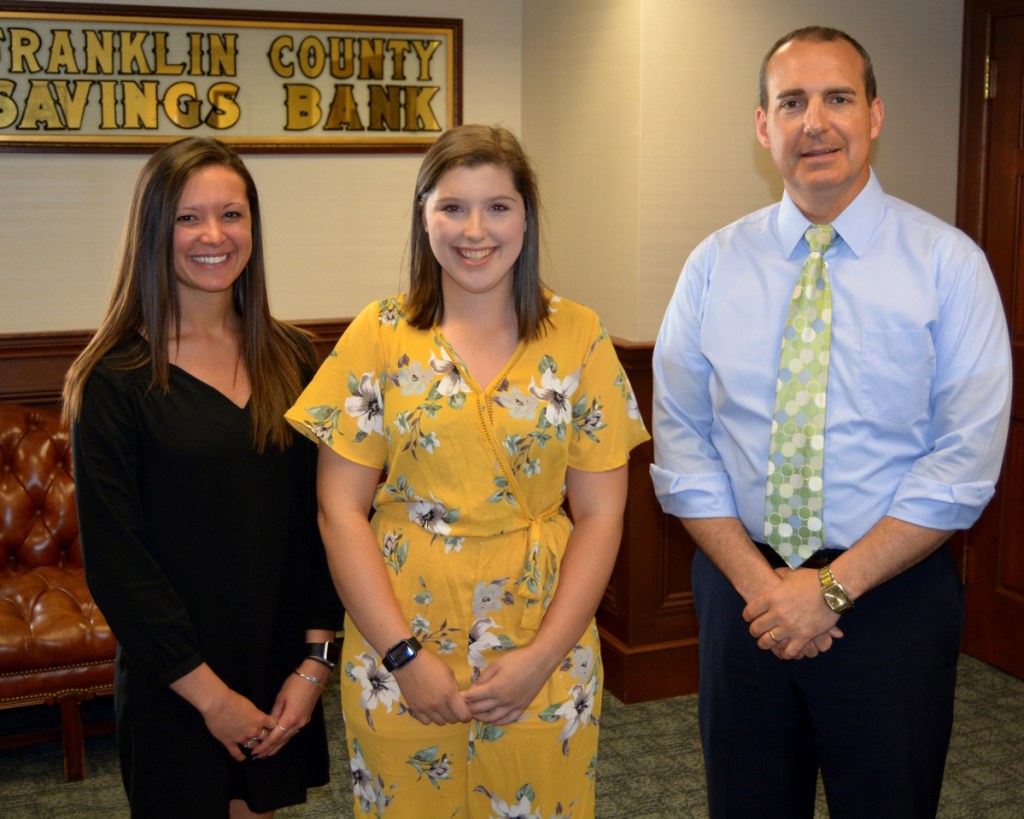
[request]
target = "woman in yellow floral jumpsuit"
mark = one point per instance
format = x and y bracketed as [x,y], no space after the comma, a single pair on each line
[470,576]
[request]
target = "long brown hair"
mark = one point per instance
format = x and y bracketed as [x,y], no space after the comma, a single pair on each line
[145,300]
[472,146]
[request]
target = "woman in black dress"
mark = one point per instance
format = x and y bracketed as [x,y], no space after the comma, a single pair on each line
[196,505]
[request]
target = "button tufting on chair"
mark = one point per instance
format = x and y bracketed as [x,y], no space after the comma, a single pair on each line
[55,646]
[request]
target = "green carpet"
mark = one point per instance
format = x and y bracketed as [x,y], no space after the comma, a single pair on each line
[650,766]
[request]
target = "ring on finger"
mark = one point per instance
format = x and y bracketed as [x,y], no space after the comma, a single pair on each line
[281,728]
[771,633]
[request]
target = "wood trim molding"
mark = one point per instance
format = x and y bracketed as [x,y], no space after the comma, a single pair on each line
[32,365]
[647,619]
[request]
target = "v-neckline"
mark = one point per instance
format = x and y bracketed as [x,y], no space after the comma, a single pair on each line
[240,407]
[467,376]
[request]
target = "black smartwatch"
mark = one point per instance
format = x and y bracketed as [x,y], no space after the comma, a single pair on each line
[326,654]
[401,654]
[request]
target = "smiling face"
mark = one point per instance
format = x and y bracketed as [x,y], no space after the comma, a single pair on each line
[475,219]
[212,231]
[819,124]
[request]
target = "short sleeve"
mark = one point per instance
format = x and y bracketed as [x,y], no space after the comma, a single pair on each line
[606,418]
[343,406]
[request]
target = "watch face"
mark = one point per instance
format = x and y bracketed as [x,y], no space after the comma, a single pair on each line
[400,654]
[836,600]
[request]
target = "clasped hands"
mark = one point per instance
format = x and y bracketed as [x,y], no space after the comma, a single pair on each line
[238,724]
[500,695]
[790,617]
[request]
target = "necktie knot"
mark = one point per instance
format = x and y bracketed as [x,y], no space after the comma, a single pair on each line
[819,237]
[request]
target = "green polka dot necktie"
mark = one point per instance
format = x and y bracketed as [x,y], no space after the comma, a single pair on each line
[794,498]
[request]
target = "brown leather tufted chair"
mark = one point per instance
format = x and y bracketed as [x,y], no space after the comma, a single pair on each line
[55,645]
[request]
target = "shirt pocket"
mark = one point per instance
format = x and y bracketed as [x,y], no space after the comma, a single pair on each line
[896,372]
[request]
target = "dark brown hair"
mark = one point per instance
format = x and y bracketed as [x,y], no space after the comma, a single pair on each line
[817,34]
[145,300]
[472,146]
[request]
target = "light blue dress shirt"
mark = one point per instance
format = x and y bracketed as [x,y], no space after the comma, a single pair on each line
[919,374]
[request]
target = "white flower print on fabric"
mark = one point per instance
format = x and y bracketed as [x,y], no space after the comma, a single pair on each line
[481,640]
[372,795]
[488,597]
[324,422]
[365,405]
[378,684]
[593,421]
[415,379]
[420,624]
[577,711]
[362,779]
[582,663]
[518,403]
[442,637]
[432,515]
[429,764]
[430,442]
[557,392]
[632,408]
[395,550]
[451,379]
[388,313]
[521,806]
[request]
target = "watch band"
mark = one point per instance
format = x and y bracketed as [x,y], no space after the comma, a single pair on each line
[326,653]
[401,654]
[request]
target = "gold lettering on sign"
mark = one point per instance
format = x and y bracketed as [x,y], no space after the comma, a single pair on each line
[103,74]
[99,52]
[303,106]
[62,54]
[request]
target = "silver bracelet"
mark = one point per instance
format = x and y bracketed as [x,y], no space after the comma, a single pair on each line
[313,680]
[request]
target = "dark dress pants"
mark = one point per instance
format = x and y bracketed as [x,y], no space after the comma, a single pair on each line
[874,712]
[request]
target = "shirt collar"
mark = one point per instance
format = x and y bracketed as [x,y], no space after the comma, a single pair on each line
[854,225]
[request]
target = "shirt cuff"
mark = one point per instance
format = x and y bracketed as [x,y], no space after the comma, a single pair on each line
[938,505]
[703,495]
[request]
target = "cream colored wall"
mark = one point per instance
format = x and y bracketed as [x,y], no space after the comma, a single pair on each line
[644,134]
[336,225]
[638,113]
[583,64]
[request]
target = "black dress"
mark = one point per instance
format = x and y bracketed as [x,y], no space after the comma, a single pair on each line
[198,549]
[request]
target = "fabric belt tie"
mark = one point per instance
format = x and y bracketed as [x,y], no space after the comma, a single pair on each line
[544,551]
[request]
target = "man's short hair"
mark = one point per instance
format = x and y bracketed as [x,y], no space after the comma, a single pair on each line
[818,34]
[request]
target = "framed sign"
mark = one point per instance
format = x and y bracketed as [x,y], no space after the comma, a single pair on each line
[129,78]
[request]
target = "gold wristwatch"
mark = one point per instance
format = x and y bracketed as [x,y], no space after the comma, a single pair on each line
[833,592]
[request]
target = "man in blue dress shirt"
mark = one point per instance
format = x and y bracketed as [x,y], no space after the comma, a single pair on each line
[846,662]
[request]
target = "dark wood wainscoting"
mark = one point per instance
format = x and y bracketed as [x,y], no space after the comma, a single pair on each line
[647,620]
[32,365]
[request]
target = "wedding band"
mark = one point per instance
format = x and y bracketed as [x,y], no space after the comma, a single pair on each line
[771,633]
[262,736]
[273,724]
[251,742]
[281,728]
